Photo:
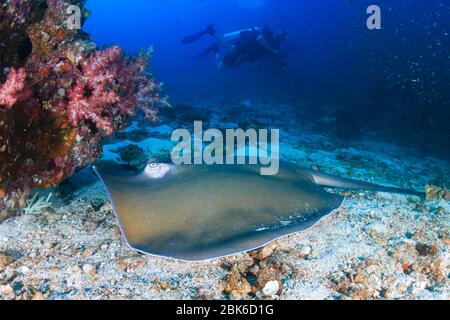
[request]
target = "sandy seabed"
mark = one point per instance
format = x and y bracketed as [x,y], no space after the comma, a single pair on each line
[376,246]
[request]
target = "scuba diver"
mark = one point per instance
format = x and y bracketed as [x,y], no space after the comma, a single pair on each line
[236,48]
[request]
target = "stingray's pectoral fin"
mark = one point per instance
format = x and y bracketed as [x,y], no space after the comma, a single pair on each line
[209,212]
[330,181]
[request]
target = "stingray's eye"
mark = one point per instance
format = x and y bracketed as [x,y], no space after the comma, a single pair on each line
[156,170]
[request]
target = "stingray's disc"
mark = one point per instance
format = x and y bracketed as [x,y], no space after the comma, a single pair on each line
[197,213]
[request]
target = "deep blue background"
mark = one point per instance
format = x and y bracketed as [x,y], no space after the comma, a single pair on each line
[394,82]
[319,31]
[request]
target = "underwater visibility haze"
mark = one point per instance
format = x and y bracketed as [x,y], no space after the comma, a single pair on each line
[392,82]
[300,147]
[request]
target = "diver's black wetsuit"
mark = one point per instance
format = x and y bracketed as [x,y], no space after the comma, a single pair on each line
[248,47]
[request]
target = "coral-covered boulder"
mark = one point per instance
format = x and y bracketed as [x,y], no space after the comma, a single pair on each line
[134,156]
[59,96]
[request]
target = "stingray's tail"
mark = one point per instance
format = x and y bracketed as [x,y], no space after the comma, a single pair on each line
[326,180]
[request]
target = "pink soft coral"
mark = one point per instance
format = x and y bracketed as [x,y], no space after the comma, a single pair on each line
[14,89]
[110,86]
[67,96]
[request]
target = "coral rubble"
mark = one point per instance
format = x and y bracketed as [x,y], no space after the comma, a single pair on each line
[59,96]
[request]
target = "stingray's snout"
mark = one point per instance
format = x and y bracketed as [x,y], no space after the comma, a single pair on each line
[156,170]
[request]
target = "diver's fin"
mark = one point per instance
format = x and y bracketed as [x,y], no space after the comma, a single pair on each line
[326,180]
[192,38]
[214,48]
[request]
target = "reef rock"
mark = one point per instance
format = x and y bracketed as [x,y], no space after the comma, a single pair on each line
[436,193]
[59,96]
[236,286]
[5,260]
[134,156]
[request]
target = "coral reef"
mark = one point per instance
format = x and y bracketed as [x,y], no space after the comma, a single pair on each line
[14,90]
[134,156]
[109,80]
[59,96]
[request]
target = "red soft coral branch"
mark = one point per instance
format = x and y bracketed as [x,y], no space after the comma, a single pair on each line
[14,89]
[65,99]
[94,93]
[110,86]
[93,108]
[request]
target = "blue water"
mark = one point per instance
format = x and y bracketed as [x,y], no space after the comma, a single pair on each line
[311,28]
[392,83]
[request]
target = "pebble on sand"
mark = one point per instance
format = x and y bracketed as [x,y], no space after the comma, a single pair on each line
[5,260]
[89,270]
[305,250]
[271,288]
